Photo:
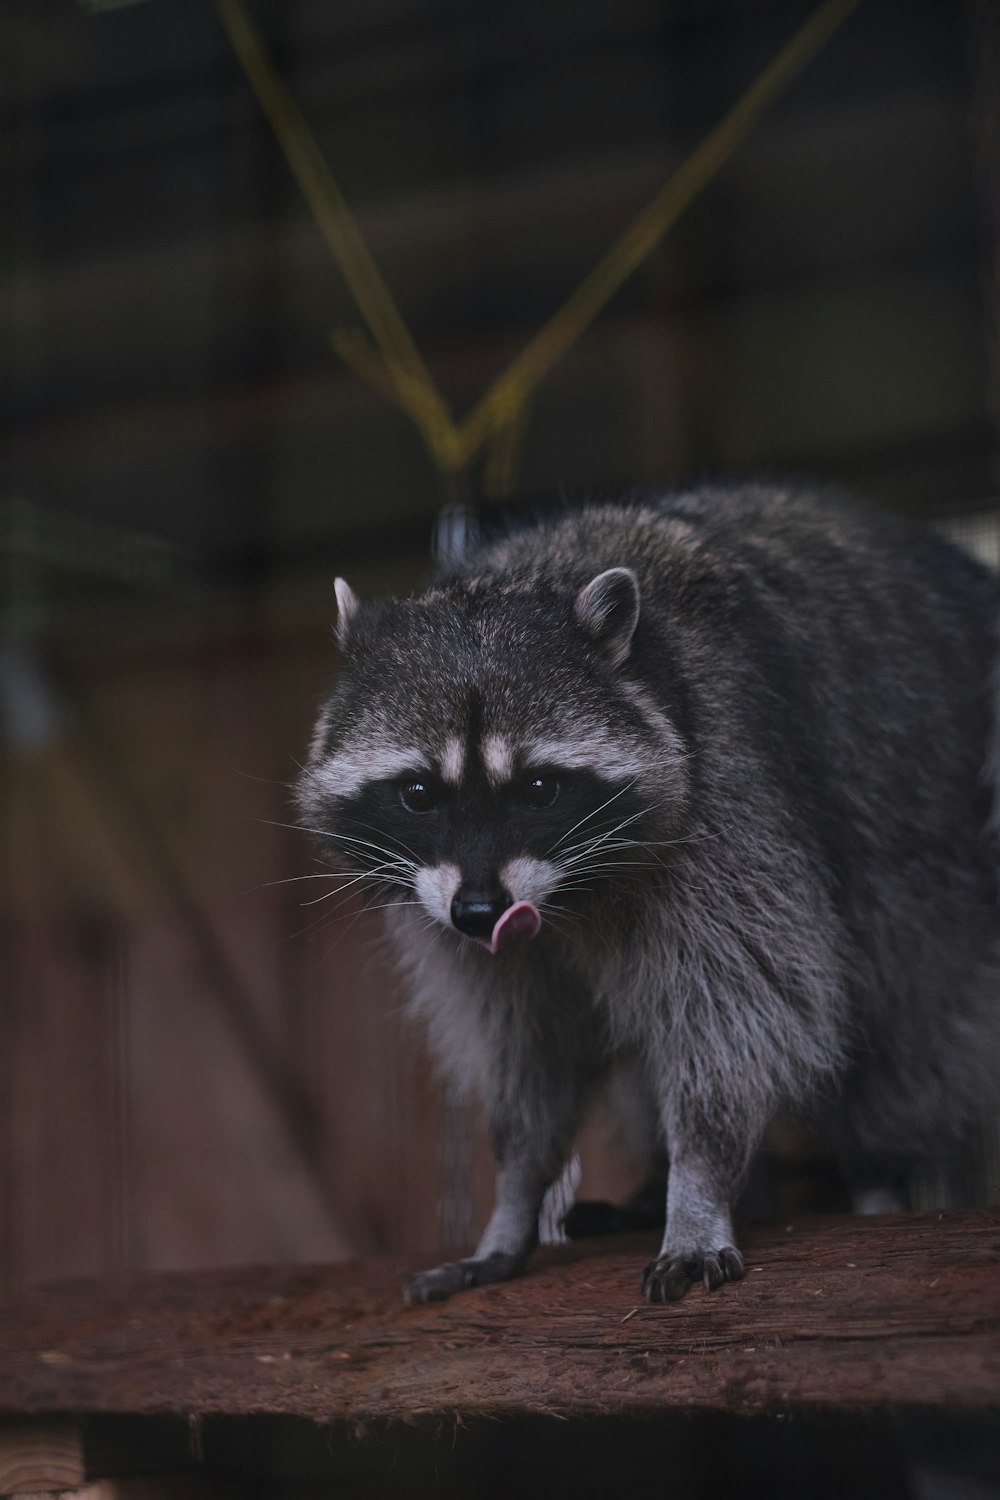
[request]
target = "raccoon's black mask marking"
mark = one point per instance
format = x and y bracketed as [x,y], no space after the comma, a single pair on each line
[479,826]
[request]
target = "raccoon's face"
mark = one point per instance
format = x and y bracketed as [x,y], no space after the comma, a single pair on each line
[486,755]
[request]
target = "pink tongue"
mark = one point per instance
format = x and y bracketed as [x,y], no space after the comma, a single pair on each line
[520,921]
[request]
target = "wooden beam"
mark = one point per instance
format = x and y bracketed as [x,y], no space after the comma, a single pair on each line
[37,1458]
[171,1487]
[835,1314]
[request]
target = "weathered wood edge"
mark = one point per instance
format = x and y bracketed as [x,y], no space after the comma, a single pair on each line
[834,1314]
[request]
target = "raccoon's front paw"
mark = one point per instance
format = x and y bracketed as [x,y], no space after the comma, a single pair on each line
[668,1278]
[454,1276]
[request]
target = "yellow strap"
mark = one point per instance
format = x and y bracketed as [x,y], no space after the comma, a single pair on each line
[402,360]
[394,366]
[556,336]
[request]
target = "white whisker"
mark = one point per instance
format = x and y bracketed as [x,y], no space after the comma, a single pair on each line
[377,876]
[587,816]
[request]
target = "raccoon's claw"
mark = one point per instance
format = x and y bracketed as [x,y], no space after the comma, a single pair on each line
[668,1278]
[444,1281]
[436,1285]
[722,1265]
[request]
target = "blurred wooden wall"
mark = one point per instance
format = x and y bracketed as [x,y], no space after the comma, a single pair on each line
[195,1068]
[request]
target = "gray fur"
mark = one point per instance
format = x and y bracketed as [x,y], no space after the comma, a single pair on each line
[771,719]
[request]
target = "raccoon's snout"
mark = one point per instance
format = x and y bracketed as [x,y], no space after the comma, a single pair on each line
[476,913]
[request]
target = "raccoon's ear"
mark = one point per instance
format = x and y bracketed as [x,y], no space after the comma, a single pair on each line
[608,609]
[347,605]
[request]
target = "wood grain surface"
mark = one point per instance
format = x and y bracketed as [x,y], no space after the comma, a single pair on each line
[836,1313]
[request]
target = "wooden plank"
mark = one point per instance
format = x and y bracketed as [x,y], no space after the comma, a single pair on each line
[169,1488]
[219,1178]
[836,1313]
[65,1153]
[39,1457]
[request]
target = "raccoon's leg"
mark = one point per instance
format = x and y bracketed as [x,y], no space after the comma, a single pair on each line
[698,1240]
[506,1242]
[530,1156]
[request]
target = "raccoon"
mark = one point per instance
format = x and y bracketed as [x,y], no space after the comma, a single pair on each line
[701,786]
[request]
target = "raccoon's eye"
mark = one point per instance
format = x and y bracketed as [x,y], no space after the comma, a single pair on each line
[417,796]
[541,791]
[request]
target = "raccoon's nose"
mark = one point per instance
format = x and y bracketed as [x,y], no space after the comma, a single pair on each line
[476,913]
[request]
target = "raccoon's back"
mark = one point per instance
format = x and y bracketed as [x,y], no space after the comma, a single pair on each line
[861,653]
[771,585]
